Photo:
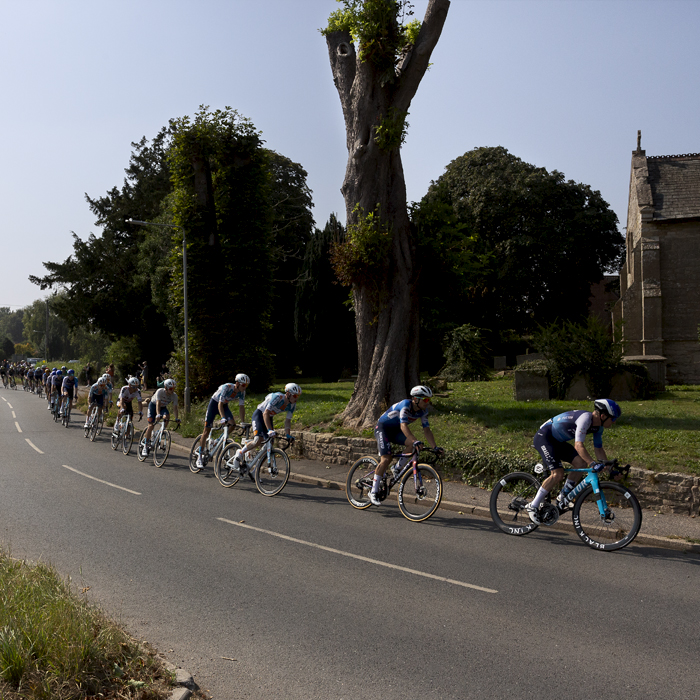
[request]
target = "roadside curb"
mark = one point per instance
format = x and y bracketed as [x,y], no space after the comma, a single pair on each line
[183,679]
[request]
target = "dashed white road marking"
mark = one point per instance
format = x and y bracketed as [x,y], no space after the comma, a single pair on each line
[13,414]
[361,558]
[9,405]
[31,444]
[19,430]
[108,483]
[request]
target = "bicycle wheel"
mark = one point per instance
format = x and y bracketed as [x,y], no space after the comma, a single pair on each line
[139,446]
[270,478]
[116,435]
[509,497]
[128,438]
[420,496]
[94,427]
[88,424]
[359,482]
[161,448]
[100,423]
[66,413]
[223,467]
[621,524]
[194,453]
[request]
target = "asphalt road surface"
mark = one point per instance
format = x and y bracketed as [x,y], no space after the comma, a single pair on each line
[302,596]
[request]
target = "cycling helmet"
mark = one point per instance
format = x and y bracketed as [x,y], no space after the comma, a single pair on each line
[243,378]
[71,372]
[53,369]
[293,389]
[169,384]
[609,407]
[133,381]
[63,369]
[101,381]
[59,373]
[422,392]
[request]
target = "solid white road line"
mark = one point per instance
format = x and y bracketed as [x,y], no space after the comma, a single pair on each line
[19,430]
[31,444]
[94,478]
[360,558]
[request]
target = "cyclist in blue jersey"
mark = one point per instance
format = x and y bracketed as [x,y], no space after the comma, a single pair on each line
[274,403]
[552,442]
[394,426]
[69,387]
[218,404]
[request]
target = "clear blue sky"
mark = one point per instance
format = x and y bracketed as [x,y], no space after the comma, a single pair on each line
[563,84]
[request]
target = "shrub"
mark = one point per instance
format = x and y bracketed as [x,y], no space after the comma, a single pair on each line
[466,355]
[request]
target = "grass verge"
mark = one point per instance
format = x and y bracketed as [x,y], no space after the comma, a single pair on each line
[53,644]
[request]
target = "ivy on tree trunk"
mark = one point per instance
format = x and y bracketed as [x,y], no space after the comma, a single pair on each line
[376,88]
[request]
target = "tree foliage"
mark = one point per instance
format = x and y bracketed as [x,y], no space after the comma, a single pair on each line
[532,242]
[11,324]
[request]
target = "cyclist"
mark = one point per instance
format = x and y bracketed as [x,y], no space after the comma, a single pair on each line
[109,385]
[55,387]
[262,420]
[159,405]
[96,397]
[69,387]
[394,426]
[125,402]
[552,442]
[219,404]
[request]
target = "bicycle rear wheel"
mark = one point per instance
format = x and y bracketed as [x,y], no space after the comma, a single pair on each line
[420,495]
[128,438]
[194,453]
[223,467]
[161,448]
[509,497]
[358,483]
[621,524]
[271,477]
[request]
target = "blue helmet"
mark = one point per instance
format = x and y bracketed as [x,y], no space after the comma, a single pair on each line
[71,372]
[59,373]
[609,407]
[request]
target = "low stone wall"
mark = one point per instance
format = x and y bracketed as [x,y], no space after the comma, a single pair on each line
[664,492]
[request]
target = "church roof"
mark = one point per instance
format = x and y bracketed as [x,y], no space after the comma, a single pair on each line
[675,186]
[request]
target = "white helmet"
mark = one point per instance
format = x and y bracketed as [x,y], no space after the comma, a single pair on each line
[293,388]
[133,381]
[422,392]
[169,384]
[101,381]
[243,378]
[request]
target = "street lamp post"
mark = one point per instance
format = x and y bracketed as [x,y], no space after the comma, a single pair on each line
[184,290]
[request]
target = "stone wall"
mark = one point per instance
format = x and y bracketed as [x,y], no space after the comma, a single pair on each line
[664,492]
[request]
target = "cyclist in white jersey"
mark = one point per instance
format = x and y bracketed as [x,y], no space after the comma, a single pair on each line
[159,405]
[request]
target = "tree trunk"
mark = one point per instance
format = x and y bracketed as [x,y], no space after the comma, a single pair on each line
[387,328]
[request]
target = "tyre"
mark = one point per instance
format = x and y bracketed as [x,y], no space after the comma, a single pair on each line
[128,438]
[619,528]
[100,423]
[161,448]
[94,428]
[508,500]
[359,482]
[88,418]
[223,467]
[116,435]
[270,478]
[420,495]
[140,445]
[194,453]
[66,414]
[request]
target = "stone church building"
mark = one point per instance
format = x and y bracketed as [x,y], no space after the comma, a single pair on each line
[660,282]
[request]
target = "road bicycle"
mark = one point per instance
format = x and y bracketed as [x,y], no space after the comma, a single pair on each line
[94,423]
[55,408]
[420,486]
[270,467]
[606,514]
[65,411]
[216,442]
[160,443]
[4,381]
[13,383]
[123,433]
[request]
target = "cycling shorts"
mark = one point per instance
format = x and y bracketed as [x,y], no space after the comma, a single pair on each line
[152,412]
[259,427]
[128,407]
[385,436]
[213,412]
[69,391]
[552,451]
[97,399]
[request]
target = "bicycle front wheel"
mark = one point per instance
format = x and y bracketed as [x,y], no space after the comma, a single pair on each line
[66,413]
[359,482]
[94,427]
[161,448]
[116,435]
[509,497]
[271,477]
[128,438]
[618,527]
[420,494]
[140,445]
[224,469]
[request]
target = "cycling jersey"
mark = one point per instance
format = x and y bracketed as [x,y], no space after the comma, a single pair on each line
[276,403]
[69,382]
[164,397]
[403,412]
[127,394]
[575,425]
[97,393]
[227,392]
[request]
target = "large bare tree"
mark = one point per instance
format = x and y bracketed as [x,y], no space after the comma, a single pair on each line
[378,63]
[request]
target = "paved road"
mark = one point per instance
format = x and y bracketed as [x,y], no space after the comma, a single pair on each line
[288,596]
